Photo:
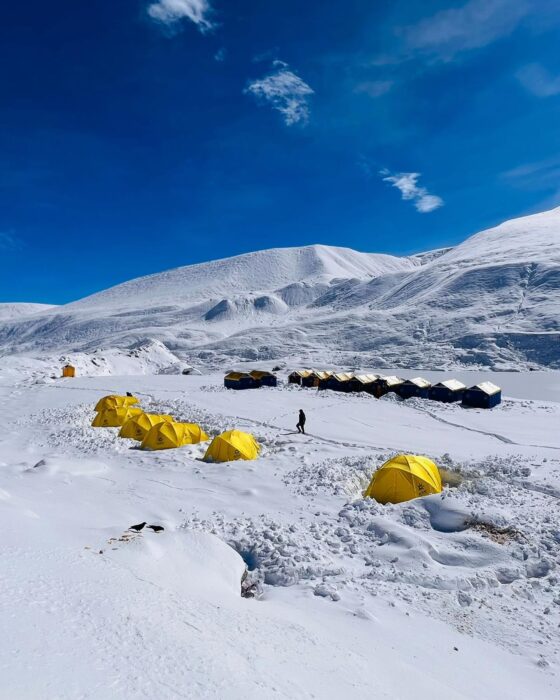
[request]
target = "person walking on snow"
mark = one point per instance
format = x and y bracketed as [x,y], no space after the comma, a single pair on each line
[301,423]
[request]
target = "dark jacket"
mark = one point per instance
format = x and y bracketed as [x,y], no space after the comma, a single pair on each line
[301,418]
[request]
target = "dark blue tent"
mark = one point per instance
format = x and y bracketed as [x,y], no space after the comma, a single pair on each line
[340,382]
[448,391]
[483,395]
[417,387]
[383,385]
[297,376]
[363,382]
[240,380]
[264,378]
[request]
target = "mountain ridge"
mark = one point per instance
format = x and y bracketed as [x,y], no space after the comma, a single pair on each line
[493,300]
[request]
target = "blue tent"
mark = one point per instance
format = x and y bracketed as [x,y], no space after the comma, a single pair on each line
[340,382]
[383,385]
[417,387]
[483,395]
[264,378]
[448,391]
[240,380]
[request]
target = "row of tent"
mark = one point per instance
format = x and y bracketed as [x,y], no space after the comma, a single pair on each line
[483,395]
[249,380]
[401,478]
[163,432]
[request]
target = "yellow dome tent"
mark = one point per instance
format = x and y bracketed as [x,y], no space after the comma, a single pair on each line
[114,401]
[139,426]
[402,478]
[232,445]
[115,417]
[167,435]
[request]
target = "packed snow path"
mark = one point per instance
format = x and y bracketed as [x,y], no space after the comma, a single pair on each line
[451,596]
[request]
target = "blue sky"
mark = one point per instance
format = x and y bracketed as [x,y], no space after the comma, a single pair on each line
[142,135]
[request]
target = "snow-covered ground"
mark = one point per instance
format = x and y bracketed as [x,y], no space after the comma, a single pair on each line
[451,596]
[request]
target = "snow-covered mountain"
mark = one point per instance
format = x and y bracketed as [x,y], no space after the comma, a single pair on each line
[10,312]
[492,301]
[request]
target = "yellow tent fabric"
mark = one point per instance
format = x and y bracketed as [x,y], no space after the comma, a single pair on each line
[404,477]
[167,435]
[138,427]
[232,445]
[114,401]
[115,417]
[68,371]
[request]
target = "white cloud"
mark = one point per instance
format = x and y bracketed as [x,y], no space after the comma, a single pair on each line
[539,81]
[474,25]
[284,91]
[407,184]
[171,12]
[220,55]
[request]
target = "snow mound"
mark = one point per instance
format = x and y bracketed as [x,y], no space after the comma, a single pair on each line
[188,562]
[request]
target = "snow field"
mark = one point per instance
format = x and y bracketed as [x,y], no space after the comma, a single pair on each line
[354,595]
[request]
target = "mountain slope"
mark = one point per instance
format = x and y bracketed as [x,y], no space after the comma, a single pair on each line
[15,310]
[494,300]
[263,270]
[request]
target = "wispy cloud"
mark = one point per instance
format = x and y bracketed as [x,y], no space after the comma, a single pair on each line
[541,174]
[284,91]
[8,241]
[407,184]
[220,55]
[172,12]
[537,80]
[374,88]
[474,25]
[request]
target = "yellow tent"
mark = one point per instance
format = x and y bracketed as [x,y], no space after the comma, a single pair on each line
[138,427]
[404,477]
[68,371]
[164,436]
[115,417]
[232,445]
[114,401]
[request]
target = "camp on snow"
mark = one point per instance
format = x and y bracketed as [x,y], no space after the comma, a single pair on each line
[115,401]
[483,395]
[115,417]
[404,477]
[168,435]
[68,371]
[232,445]
[137,427]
